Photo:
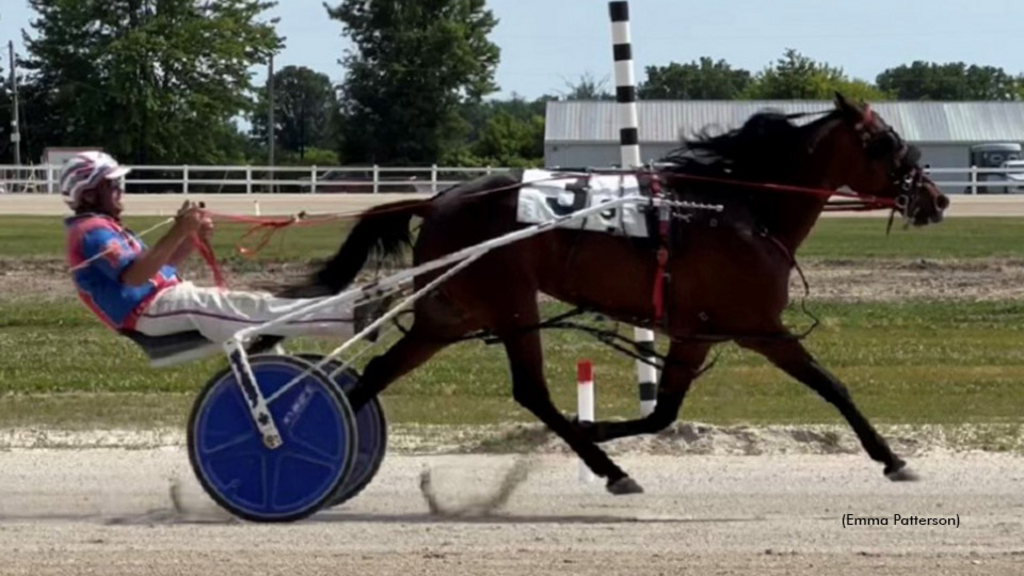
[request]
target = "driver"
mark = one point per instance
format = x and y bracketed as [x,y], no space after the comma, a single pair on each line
[132,287]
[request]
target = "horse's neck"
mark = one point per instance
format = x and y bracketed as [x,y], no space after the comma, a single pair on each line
[796,216]
[798,212]
[792,215]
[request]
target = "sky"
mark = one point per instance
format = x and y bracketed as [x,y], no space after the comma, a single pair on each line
[545,44]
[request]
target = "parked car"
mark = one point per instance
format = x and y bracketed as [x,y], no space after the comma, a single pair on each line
[994,155]
[1014,177]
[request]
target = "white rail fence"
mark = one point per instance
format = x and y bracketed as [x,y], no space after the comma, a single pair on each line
[375,179]
[974,180]
[256,179]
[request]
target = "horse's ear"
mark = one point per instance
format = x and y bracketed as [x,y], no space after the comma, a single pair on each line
[843,104]
[849,109]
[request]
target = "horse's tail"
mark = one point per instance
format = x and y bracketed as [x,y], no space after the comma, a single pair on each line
[382,231]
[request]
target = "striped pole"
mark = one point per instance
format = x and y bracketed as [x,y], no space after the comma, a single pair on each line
[585,405]
[629,142]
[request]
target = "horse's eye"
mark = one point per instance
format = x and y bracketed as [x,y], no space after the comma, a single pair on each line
[881,147]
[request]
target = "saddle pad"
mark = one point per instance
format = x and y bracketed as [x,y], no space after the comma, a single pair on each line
[546,195]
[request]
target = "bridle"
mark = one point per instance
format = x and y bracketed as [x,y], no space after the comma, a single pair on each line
[905,175]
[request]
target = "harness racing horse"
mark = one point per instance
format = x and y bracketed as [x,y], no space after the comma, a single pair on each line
[729,271]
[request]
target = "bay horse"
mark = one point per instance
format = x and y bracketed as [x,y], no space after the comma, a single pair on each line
[729,272]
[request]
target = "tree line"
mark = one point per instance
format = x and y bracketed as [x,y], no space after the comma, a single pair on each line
[168,81]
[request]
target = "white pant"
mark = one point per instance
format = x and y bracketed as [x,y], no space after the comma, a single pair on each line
[219,314]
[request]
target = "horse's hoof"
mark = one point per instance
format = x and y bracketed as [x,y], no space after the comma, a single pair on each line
[902,473]
[624,485]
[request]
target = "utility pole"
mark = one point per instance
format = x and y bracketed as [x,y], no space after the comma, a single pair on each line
[15,132]
[270,121]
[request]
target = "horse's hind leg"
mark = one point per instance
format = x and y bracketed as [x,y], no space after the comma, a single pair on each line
[684,361]
[793,358]
[530,389]
[412,350]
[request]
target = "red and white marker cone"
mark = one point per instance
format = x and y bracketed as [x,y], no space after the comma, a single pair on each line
[585,405]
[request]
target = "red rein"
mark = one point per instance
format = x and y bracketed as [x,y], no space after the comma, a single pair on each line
[206,251]
[266,227]
[263,228]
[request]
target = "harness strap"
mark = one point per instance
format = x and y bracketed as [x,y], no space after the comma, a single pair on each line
[659,285]
[661,274]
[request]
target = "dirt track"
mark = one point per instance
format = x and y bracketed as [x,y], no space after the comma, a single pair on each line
[269,204]
[109,512]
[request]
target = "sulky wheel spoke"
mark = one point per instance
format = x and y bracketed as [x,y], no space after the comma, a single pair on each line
[298,448]
[240,439]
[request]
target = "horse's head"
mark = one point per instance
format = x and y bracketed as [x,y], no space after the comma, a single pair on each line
[875,161]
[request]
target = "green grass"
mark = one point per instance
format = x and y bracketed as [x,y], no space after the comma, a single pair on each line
[29,236]
[853,238]
[911,362]
[915,362]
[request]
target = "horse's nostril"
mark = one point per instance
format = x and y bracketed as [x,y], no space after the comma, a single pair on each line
[942,202]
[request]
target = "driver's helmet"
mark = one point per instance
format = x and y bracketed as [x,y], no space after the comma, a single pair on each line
[86,170]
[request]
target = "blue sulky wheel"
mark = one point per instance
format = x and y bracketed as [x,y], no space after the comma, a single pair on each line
[371,427]
[253,482]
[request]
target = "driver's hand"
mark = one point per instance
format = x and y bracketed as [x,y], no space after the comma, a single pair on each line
[206,228]
[186,206]
[190,218]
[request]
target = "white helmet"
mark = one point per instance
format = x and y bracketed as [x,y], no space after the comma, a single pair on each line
[85,171]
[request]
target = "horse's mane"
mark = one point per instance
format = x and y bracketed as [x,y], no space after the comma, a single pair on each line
[762,149]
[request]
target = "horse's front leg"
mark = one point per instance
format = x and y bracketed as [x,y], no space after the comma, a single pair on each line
[790,356]
[530,389]
[684,362]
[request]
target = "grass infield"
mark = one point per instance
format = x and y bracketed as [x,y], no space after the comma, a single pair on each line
[910,362]
[914,362]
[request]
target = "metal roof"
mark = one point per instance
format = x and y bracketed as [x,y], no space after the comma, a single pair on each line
[666,121]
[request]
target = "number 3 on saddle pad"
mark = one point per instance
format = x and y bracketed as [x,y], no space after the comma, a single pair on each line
[292,481]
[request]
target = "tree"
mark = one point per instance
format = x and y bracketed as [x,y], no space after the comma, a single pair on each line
[511,141]
[950,81]
[414,64]
[304,108]
[478,114]
[798,77]
[312,157]
[699,80]
[149,81]
[501,133]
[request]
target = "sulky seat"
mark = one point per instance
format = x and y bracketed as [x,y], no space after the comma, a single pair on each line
[173,349]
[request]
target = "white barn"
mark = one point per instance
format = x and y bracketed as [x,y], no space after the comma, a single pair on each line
[581,134]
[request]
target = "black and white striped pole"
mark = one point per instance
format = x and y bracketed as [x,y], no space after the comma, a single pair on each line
[629,143]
